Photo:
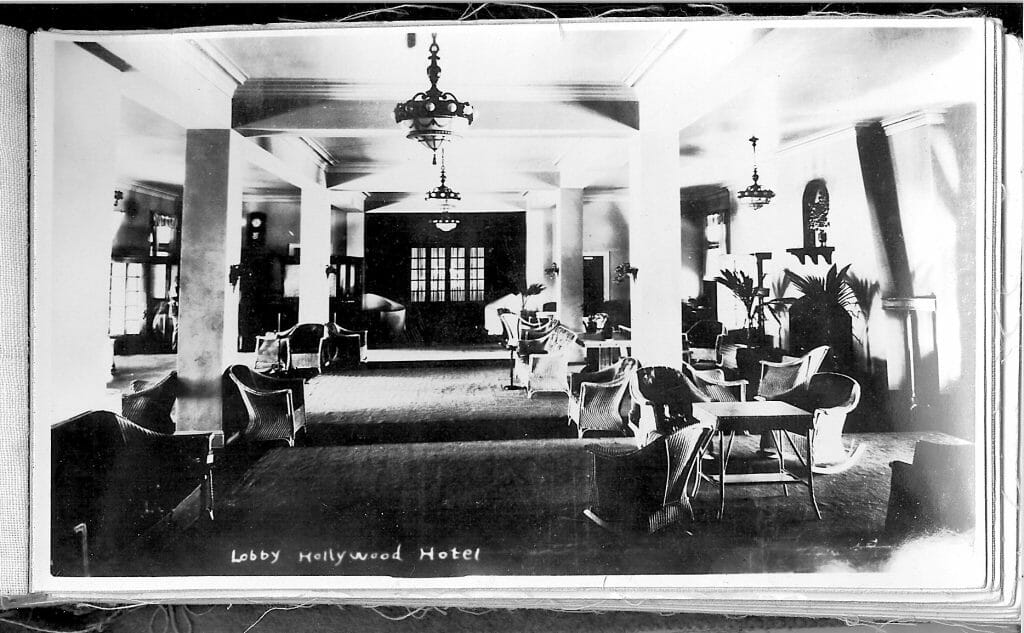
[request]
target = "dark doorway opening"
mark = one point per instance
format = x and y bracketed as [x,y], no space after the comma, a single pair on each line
[593,283]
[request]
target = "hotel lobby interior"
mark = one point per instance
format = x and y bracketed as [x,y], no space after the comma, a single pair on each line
[510,299]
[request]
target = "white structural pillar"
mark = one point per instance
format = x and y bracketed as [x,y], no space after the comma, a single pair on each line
[570,257]
[77,116]
[211,242]
[315,237]
[351,204]
[655,239]
[540,252]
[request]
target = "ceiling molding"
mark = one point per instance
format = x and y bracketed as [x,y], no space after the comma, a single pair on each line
[913,120]
[216,66]
[343,91]
[324,156]
[653,56]
[616,194]
[153,190]
[845,132]
[268,194]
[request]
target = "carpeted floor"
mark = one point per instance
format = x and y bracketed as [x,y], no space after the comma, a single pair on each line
[428,403]
[515,508]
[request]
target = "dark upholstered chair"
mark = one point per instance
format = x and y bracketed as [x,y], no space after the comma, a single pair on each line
[595,398]
[149,404]
[112,481]
[935,493]
[647,488]
[273,407]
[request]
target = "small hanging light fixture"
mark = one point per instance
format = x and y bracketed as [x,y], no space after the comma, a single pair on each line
[446,196]
[756,195]
[433,116]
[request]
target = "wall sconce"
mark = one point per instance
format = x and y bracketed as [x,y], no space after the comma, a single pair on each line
[552,270]
[235,272]
[623,270]
[330,269]
[128,209]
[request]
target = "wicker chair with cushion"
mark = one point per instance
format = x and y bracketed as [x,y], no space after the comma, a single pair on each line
[647,488]
[830,397]
[113,481]
[595,398]
[149,404]
[273,407]
[544,361]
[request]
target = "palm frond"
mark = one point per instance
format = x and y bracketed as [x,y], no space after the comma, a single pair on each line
[864,291]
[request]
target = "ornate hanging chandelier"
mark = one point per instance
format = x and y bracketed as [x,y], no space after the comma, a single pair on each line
[756,195]
[446,196]
[434,116]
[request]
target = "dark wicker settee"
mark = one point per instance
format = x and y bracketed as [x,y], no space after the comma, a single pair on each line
[112,481]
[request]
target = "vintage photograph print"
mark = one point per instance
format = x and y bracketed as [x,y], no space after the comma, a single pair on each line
[647,298]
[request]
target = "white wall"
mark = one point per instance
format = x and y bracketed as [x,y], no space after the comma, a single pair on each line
[933,162]
[606,228]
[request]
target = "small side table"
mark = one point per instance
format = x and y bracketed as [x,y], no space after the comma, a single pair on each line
[758,417]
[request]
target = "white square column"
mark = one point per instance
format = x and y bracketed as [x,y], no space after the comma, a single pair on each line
[211,242]
[540,247]
[570,262]
[315,237]
[655,243]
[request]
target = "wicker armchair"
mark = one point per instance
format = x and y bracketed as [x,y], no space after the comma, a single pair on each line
[544,361]
[595,398]
[343,347]
[272,351]
[149,404]
[710,385]
[702,344]
[113,482]
[830,397]
[661,402]
[647,488]
[274,407]
[305,347]
[778,379]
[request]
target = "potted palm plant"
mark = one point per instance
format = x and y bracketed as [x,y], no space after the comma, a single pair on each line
[525,291]
[742,286]
[823,315]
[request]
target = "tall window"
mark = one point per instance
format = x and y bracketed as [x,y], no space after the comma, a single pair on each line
[437,274]
[457,274]
[476,273]
[127,298]
[418,274]
[447,274]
